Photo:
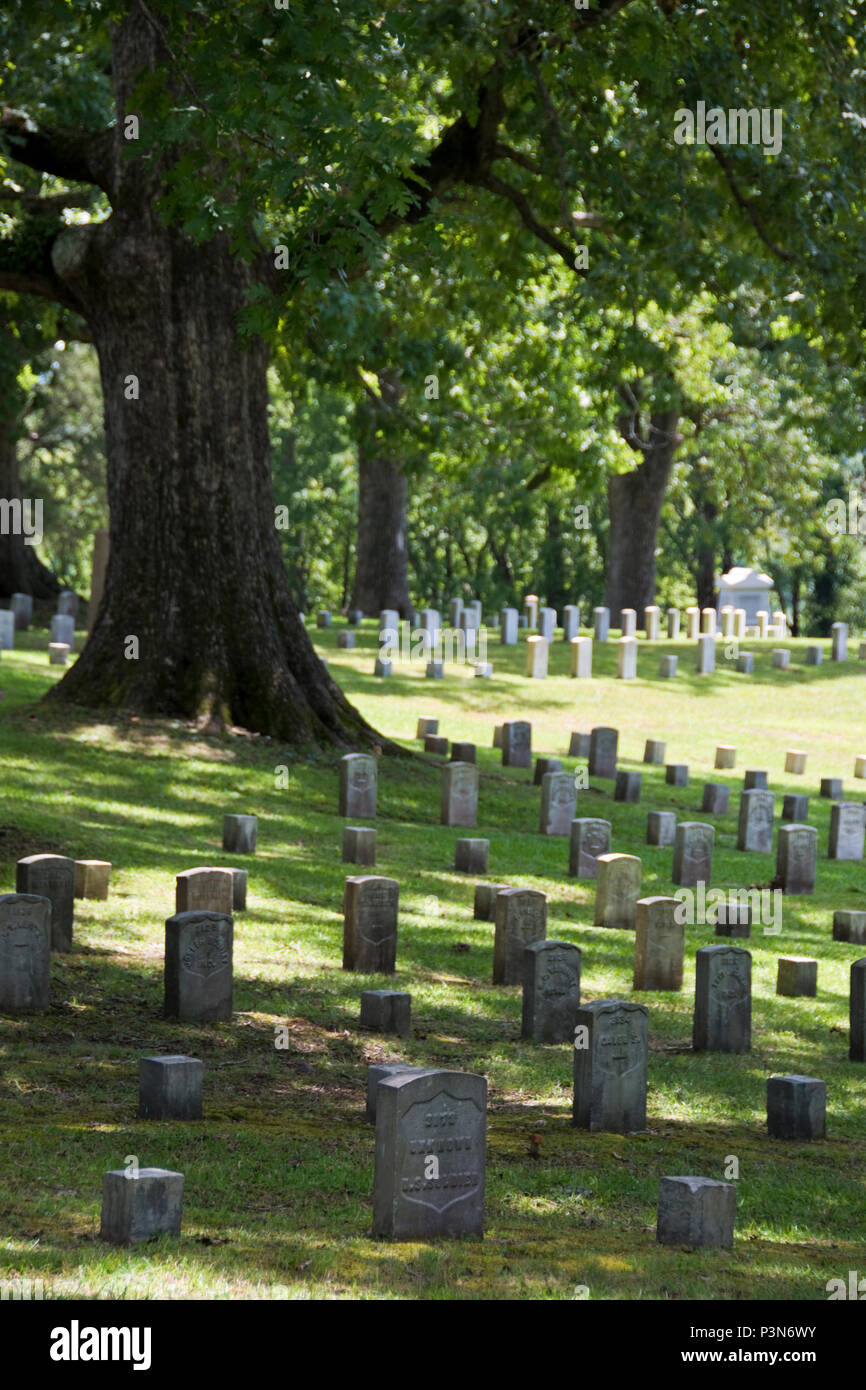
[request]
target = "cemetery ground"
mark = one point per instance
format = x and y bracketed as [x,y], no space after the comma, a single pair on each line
[278,1175]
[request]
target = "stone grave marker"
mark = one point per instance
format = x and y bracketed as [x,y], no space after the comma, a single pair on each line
[677,774]
[618,890]
[668,667]
[715,798]
[659,945]
[551,991]
[661,827]
[610,1072]
[590,838]
[696,1212]
[654,751]
[840,641]
[459,799]
[51,876]
[25,953]
[581,657]
[358,786]
[627,786]
[726,755]
[484,907]
[755,822]
[693,853]
[797,977]
[204,890]
[796,1107]
[508,627]
[516,743]
[536,657]
[570,622]
[359,845]
[795,808]
[847,830]
[601,624]
[140,1203]
[239,834]
[857,1012]
[370,906]
[170,1088]
[383,1071]
[796,857]
[673,624]
[92,878]
[520,919]
[831,787]
[471,855]
[849,925]
[602,752]
[558,803]
[386,1011]
[723,1000]
[755,780]
[198,966]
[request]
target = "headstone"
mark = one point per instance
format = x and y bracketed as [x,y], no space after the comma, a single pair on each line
[98,572]
[740,624]
[755,780]
[25,953]
[346,640]
[51,876]
[551,991]
[67,603]
[610,1072]
[359,845]
[727,617]
[840,641]
[436,744]
[708,621]
[204,890]
[428,1181]
[726,755]
[627,786]
[601,624]
[857,1012]
[570,622]
[239,834]
[654,750]
[497,736]
[590,838]
[860,766]
[536,657]
[169,1088]
[733,918]
[849,925]
[463,752]
[696,1212]
[358,786]
[746,663]
[705,663]
[22,607]
[581,657]
[63,629]
[386,1011]
[429,620]
[659,945]
[781,658]
[459,801]
[651,617]
[795,761]
[763,624]
[797,977]
[673,624]
[661,827]
[626,658]
[847,830]
[455,608]
[484,908]
[58,653]
[508,627]
[668,667]
[693,623]
[140,1203]
[370,924]
[578,746]
[780,622]
[355,617]
[520,919]
[796,857]
[627,622]
[617,891]
[795,808]
[715,798]
[382,667]
[677,774]
[323,618]
[383,1071]
[198,965]
[516,743]
[831,787]
[602,752]
[7,629]
[814,655]
[547,623]
[434,671]
[693,853]
[755,824]
[796,1107]
[558,803]
[426,725]
[389,621]
[470,856]
[723,999]
[530,610]
[240,878]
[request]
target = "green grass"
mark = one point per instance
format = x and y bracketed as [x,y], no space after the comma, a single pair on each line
[279,1175]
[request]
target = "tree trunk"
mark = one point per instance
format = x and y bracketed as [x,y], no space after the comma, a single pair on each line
[634,505]
[21,570]
[382,550]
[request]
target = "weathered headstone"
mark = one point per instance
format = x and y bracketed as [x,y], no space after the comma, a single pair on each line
[547,623]
[797,977]
[428,1181]
[239,834]
[382,667]
[426,725]
[140,1203]
[840,641]
[558,803]
[542,767]
[581,657]
[520,919]
[602,752]
[346,640]
[601,624]
[708,621]
[627,786]
[627,622]
[831,787]
[755,823]
[25,953]
[677,774]
[857,1012]
[617,891]
[746,663]
[849,925]
[198,965]
[733,918]
[727,617]
[459,802]
[693,853]
[781,658]
[462,752]
[610,1071]
[386,1011]
[726,755]
[383,1071]
[796,858]
[359,845]
[551,991]
[763,624]
[661,827]
[723,999]
[355,617]
[51,876]
[471,855]
[536,657]
[570,622]
[654,750]
[358,786]
[370,905]
[715,798]
[578,745]
[590,838]
[795,807]
[67,603]
[170,1088]
[754,780]
[508,627]
[436,744]
[626,658]
[705,661]
[795,761]
[484,907]
[814,655]
[796,1107]
[92,878]
[860,766]
[240,880]
[22,607]
[204,890]
[63,629]
[651,617]
[847,830]
[435,671]
[696,1212]
[668,667]
[7,629]
[323,617]
[58,653]
[659,945]
[530,610]
[673,624]
[516,743]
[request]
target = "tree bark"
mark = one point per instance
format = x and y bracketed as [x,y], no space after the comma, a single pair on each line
[21,570]
[382,550]
[634,506]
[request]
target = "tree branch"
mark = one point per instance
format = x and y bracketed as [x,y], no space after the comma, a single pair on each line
[79,156]
[530,221]
[747,207]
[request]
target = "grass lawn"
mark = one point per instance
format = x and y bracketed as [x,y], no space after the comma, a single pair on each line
[279,1175]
